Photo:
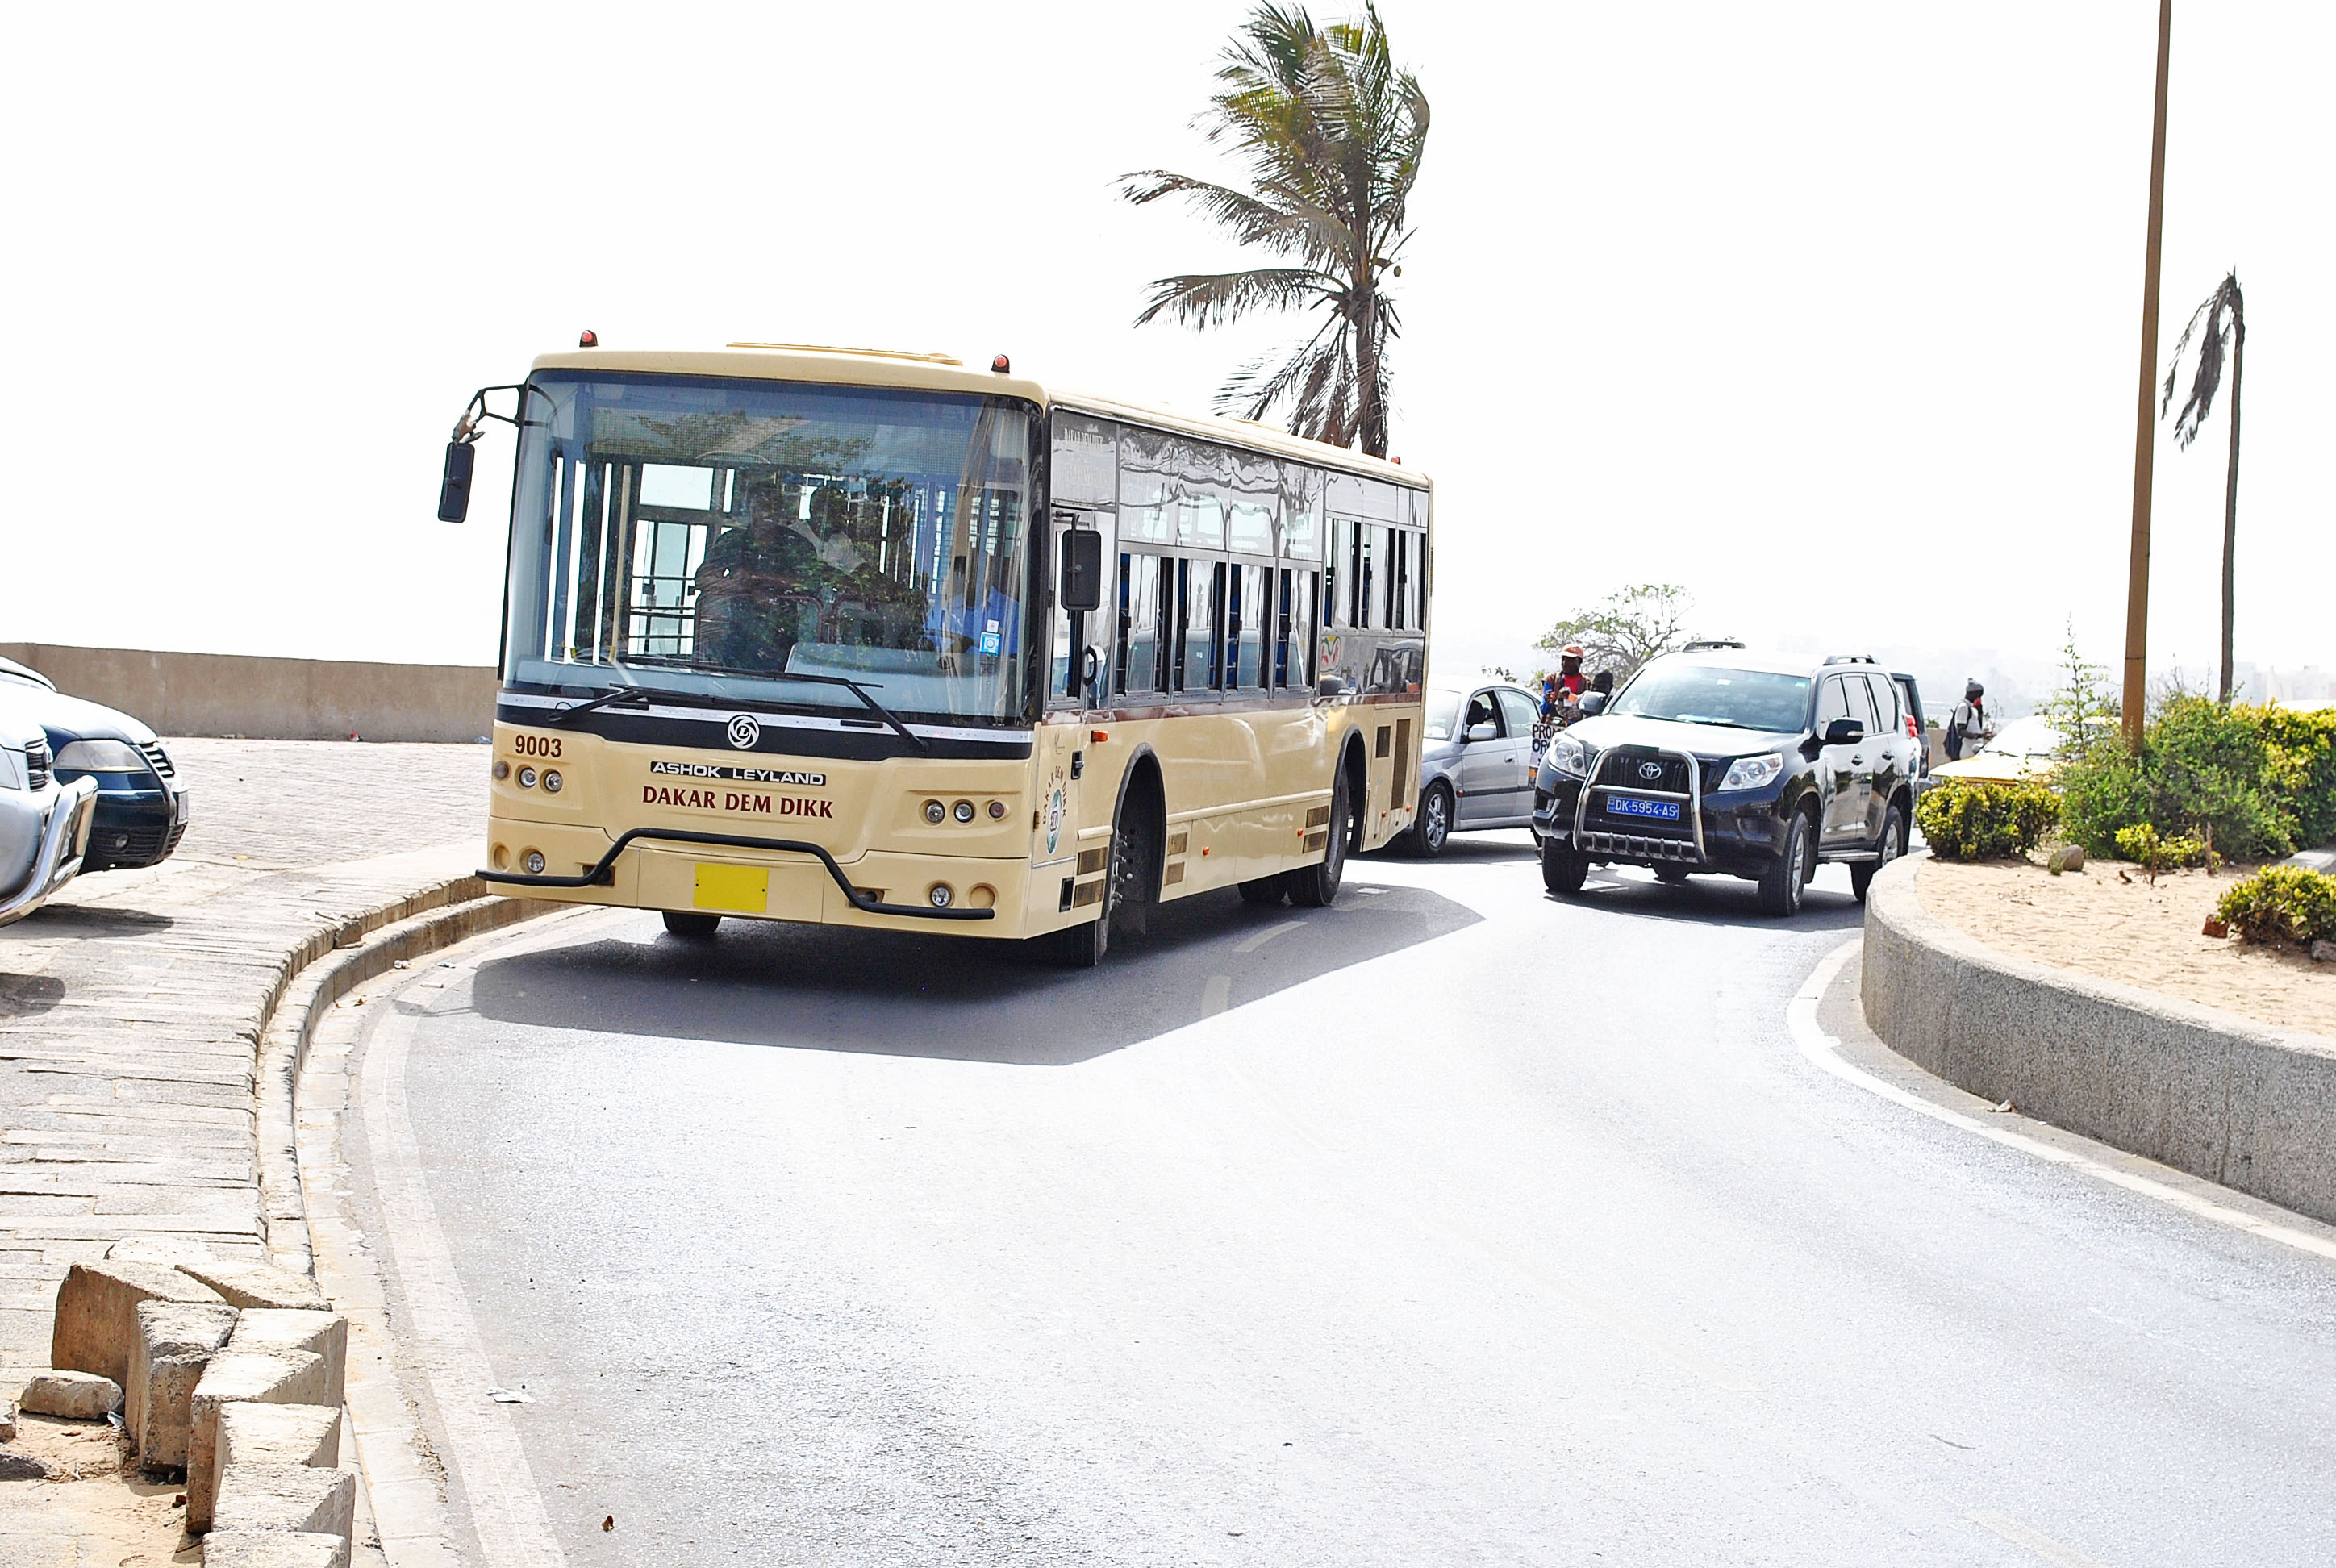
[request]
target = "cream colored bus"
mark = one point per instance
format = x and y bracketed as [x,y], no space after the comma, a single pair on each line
[877,640]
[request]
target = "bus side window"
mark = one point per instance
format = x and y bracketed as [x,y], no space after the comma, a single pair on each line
[1370,577]
[1256,610]
[1338,598]
[1293,643]
[1196,632]
[1139,623]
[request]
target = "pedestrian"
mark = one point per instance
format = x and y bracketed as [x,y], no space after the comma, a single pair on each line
[1603,683]
[1971,727]
[1570,679]
[1548,697]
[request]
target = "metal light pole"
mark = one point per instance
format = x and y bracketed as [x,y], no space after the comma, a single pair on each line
[2144,423]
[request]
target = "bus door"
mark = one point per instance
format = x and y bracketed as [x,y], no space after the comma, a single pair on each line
[1079,676]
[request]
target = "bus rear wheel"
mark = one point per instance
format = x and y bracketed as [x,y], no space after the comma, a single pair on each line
[697,927]
[1314,887]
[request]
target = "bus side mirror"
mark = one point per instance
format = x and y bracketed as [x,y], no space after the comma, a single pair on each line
[454,484]
[1082,581]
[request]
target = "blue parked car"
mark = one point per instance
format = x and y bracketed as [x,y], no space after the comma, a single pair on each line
[142,807]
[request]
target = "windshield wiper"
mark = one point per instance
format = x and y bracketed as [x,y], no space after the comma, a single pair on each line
[853,686]
[629,695]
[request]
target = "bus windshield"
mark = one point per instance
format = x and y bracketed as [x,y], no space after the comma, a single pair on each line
[703,538]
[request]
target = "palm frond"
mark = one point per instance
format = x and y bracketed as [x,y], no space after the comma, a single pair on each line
[1205,299]
[2224,316]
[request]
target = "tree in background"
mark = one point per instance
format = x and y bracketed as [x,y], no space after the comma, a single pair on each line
[2223,318]
[1626,628]
[1333,134]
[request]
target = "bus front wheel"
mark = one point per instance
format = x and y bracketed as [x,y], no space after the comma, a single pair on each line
[683,924]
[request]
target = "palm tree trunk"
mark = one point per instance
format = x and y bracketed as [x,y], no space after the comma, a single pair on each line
[1371,419]
[2231,505]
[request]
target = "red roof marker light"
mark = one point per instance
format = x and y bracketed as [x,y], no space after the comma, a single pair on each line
[1001,364]
[588,338]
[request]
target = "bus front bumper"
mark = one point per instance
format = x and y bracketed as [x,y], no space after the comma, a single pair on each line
[767,877]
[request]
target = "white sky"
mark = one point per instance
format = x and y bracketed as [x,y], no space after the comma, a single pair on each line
[1826,311]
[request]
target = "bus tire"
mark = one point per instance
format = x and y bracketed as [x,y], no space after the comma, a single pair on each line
[698,927]
[1125,893]
[1315,886]
[1270,890]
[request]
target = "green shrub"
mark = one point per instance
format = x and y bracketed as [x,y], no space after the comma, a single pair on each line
[2251,783]
[1972,819]
[2282,904]
[2142,846]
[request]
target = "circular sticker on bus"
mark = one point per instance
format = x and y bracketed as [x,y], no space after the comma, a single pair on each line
[745,729]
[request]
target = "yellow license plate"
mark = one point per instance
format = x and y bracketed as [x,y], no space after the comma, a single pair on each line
[742,888]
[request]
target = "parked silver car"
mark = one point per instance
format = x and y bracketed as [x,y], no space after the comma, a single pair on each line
[1475,765]
[44,823]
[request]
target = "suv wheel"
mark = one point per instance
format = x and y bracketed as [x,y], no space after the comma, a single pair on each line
[1781,883]
[1561,870]
[1891,845]
[1433,830]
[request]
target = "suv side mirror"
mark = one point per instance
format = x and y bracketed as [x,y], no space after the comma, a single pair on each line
[1844,732]
[1483,732]
[1082,578]
[454,483]
[1592,702]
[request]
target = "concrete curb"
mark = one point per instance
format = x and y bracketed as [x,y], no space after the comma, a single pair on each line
[2220,1097]
[438,917]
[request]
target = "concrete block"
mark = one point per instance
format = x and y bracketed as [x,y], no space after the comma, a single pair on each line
[258,1285]
[7,1422]
[96,1325]
[279,1434]
[274,1549]
[176,1341]
[259,1494]
[72,1396]
[320,1333]
[258,1377]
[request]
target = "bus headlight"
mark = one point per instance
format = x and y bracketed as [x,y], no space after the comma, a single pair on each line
[942,894]
[533,862]
[963,811]
[935,812]
[551,783]
[527,778]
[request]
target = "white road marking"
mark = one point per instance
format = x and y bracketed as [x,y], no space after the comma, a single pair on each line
[1251,944]
[513,1527]
[2036,1541]
[1823,1050]
[1215,995]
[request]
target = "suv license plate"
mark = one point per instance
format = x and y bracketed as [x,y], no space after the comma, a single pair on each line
[1632,807]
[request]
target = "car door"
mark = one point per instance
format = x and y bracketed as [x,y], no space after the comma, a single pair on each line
[1876,761]
[1893,757]
[1483,763]
[1841,769]
[1518,713]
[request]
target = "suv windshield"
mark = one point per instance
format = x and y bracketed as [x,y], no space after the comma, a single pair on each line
[1709,694]
[705,539]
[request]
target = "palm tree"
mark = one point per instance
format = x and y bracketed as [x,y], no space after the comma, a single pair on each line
[2223,316]
[1333,134]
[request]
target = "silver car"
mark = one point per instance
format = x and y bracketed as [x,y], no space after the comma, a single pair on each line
[1475,765]
[43,824]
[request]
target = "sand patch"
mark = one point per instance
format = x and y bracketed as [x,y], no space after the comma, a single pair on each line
[90,1510]
[2127,930]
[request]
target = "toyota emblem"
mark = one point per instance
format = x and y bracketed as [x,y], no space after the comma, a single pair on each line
[745,729]
[1650,771]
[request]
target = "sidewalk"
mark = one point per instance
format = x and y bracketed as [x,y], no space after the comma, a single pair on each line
[129,1006]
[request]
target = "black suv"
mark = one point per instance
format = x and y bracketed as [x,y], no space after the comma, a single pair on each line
[1741,764]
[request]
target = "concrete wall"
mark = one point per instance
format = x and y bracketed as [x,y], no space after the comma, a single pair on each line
[2207,1092]
[273,698]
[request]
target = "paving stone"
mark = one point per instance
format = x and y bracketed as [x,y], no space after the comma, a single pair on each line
[263,1495]
[96,1324]
[274,1549]
[258,1377]
[320,1333]
[258,1284]
[72,1396]
[176,1341]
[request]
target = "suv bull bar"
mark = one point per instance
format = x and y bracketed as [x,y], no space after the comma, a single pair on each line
[1590,841]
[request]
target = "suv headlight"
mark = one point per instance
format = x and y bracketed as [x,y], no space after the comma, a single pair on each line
[1749,772]
[12,769]
[1569,756]
[101,756]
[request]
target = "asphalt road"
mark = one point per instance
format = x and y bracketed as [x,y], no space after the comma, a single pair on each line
[1454,1225]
